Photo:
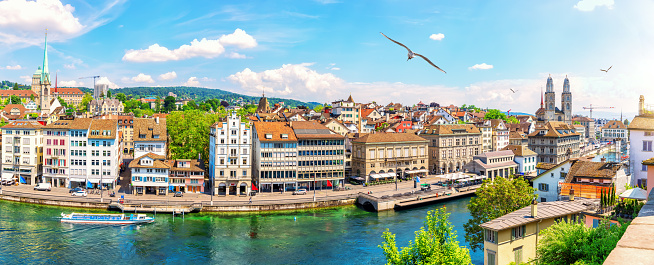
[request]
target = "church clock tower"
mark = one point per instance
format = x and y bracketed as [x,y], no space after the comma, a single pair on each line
[550,99]
[566,101]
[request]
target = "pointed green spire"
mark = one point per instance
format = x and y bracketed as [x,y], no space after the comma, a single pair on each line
[45,74]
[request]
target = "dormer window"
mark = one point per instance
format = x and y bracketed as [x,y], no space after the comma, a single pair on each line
[156,136]
[268,136]
[284,136]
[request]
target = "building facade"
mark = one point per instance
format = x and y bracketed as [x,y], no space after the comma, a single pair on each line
[149,174]
[274,156]
[641,136]
[500,134]
[548,110]
[186,175]
[23,152]
[451,146]
[525,158]
[614,131]
[555,142]
[104,151]
[106,106]
[387,155]
[493,164]
[321,156]
[230,156]
[150,136]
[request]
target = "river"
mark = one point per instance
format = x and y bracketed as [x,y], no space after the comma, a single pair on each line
[32,234]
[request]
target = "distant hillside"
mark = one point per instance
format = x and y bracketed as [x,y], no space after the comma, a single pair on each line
[518,113]
[201,94]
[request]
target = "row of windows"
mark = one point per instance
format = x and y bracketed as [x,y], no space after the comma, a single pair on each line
[321,152]
[320,142]
[55,133]
[331,174]
[279,154]
[279,164]
[150,179]
[277,174]
[320,163]
[278,145]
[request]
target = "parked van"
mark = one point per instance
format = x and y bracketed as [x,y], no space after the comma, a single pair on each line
[43,186]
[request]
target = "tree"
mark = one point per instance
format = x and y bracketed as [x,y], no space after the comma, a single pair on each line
[494,199]
[225,104]
[14,99]
[169,104]
[512,119]
[62,102]
[84,105]
[102,94]
[494,114]
[626,122]
[32,97]
[108,93]
[318,108]
[121,97]
[435,243]
[15,86]
[187,132]
[157,105]
[570,242]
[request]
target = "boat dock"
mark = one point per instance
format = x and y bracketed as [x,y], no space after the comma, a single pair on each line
[148,208]
[399,201]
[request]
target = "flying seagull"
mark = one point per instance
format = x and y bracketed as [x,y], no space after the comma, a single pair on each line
[412,54]
[513,90]
[607,70]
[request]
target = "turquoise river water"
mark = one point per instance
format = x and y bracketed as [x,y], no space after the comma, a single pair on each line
[33,234]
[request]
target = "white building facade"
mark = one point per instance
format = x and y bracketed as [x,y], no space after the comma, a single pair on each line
[23,152]
[230,147]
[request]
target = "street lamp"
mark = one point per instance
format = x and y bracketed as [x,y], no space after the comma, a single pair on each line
[314,187]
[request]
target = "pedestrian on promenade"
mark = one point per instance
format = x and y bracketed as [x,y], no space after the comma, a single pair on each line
[250,200]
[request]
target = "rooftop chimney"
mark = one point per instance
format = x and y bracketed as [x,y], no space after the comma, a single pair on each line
[534,209]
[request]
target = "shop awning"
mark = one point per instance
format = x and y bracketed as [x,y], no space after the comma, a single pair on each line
[375,176]
[111,180]
[77,179]
[7,176]
[423,171]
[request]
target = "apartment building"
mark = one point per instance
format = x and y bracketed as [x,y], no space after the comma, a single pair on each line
[555,142]
[451,146]
[500,134]
[56,153]
[525,158]
[486,136]
[387,155]
[150,174]
[230,158]
[23,152]
[150,136]
[641,136]
[614,131]
[79,152]
[321,156]
[493,164]
[105,153]
[514,237]
[186,175]
[347,111]
[274,156]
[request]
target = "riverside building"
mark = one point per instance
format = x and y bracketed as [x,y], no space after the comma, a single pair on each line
[451,146]
[23,152]
[555,142]
[230,145]
[150,136]
[274,156]
[386,155]
[321,155]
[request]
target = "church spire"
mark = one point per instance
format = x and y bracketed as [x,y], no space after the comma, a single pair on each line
[45,74]
[541,97]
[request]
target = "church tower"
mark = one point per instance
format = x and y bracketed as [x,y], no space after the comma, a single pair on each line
[550,99]
[566,101]
[44,82]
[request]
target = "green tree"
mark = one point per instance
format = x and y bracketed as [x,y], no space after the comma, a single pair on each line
[512,119]
[570,242]
[84,105]
[108,93]
[15,86]
[188,132]
[626,122]
[494,199]
[157,105]
[318,108]
[494,114]
[62,102]
[435,243]
[169,104]
[14,99]
[32,97]
[121,97]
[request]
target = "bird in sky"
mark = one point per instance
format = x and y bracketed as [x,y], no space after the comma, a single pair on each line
[413,54]
[607,70]
[513,90]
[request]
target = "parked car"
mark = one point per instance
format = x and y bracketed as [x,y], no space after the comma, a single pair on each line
[43,186]
[300,192]
[178,194]
[81,193]
[75,190]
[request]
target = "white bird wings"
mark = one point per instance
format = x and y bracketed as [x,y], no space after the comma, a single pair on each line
[397,43]
[432,64]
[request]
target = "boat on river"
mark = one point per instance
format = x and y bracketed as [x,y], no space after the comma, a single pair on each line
[100,218]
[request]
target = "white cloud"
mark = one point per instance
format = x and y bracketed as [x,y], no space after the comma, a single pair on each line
[193,81]
[439,36]
[142,78]
[335,68]
[203,48]
[105,80]
[168,76]
[71,83]
[239,39]
[24,21]
[235,55]
[26,78]
[589,5]
[70,66]
[297,80]
[15,67]
[207,79]
[482,66]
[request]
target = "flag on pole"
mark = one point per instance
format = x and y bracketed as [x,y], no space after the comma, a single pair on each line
[329,183]
[254,188]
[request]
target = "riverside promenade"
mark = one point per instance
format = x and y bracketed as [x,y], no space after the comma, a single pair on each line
[261,202]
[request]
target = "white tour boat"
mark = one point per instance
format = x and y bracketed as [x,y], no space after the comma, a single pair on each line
[100,218]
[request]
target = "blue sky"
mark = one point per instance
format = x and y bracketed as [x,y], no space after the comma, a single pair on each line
[325,50]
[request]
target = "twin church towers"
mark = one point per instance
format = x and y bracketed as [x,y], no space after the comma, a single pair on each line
[548,110]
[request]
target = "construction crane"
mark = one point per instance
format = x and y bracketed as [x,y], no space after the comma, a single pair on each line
[591,108]
[94,77]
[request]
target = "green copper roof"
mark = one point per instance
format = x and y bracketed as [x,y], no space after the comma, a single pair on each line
[45,74]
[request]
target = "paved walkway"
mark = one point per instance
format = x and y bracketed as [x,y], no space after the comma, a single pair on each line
[62,194]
